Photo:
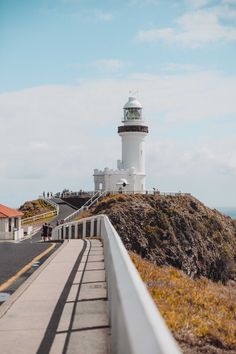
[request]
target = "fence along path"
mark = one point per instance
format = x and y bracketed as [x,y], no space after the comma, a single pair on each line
[48,214]
[136,325]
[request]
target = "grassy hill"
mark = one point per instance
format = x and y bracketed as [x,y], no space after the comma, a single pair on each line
[35,207]
[200,313]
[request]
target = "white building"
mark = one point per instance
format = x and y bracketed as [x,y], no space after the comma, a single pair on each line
[130,175]
[10,224]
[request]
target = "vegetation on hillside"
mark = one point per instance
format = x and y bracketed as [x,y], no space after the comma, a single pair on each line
[186,254]
[200,313]
[84,214]
[35,207]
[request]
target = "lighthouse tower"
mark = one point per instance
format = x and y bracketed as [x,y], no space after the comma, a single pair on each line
[133,133]
[130,175]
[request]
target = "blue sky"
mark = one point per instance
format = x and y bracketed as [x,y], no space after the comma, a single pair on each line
[66,69]
[65,41]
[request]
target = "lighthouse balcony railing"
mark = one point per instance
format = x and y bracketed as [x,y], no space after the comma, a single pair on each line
[136,324]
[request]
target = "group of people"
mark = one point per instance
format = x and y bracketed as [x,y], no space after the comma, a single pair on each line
[49,195]
[46,232]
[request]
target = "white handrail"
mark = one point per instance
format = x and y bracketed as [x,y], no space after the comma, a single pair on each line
[90,200]
[136,324]
[139,328]
[84,207]
[52,203]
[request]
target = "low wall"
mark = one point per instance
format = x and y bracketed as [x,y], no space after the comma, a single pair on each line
[6,235]
[137,326]
[14,235]
[28,230]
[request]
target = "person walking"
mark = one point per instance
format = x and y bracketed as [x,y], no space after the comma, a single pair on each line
[44,232]
[49,232]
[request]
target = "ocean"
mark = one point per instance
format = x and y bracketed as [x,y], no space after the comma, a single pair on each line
[228,211]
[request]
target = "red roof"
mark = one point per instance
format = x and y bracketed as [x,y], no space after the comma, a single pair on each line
[6,212]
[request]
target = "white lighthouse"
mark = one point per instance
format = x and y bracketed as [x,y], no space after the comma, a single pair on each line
[130,175]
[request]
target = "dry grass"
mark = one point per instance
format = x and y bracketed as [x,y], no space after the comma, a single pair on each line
[193,309]
[35,207]
[83,214]
[113,198]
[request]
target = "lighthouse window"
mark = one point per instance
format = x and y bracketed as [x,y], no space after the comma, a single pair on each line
[132,113]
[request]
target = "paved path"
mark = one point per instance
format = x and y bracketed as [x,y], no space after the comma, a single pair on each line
[64,211]
[62,307]
[14,256]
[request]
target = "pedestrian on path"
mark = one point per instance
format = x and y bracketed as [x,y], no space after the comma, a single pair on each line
[49,232]
[44,232]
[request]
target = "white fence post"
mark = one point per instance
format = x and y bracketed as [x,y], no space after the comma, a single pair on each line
[84,229]
[92,228]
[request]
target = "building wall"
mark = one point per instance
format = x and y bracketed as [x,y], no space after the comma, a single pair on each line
[14,232]
[4,229]
[110,180]
[3,224]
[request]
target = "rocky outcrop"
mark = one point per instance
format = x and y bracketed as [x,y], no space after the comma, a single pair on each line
[175,230]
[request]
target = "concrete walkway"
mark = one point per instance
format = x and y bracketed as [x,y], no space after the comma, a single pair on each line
[62,307]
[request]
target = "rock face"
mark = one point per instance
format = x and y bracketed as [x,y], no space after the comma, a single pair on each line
[175,230]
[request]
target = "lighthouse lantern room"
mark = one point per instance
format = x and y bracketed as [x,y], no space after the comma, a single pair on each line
[130,175]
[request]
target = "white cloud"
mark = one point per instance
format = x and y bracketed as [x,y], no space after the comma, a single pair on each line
[225,12]
[53,136]
[206,169]
[229,2]
[109,64]
[205,156]
[167,34]
[195,28]
[177,67]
